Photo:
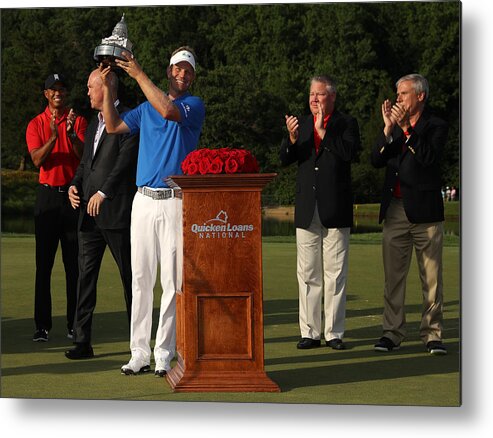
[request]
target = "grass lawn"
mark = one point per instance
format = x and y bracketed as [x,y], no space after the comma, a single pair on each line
[357,375]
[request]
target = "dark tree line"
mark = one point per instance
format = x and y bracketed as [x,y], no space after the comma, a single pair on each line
[254,66]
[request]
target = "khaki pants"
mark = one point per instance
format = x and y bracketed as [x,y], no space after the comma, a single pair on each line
[322,258]
[399,237]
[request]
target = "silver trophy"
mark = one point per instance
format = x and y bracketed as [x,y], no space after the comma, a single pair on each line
[111,48]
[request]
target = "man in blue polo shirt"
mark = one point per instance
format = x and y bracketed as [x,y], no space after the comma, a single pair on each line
[169,125]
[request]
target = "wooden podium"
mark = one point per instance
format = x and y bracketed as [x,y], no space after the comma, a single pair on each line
[219,316]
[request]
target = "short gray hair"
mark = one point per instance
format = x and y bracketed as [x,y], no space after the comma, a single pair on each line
[327,80]
[420,84]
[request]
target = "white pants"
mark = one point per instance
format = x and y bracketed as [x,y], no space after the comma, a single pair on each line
[156,237]
[322,255]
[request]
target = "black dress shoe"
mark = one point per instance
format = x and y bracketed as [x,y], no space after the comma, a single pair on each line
[81,351]
[436,348]
[336,344]
[306,343]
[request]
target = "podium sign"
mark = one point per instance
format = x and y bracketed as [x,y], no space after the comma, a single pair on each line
[220,340]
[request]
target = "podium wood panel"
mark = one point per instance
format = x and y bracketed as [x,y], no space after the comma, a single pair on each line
[220,342]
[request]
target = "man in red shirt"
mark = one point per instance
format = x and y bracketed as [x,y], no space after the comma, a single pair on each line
[55,140]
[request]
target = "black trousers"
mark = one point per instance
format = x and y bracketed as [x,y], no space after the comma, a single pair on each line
[55,222]
[92,244]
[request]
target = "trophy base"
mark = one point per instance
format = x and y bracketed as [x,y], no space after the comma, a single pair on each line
[107,54]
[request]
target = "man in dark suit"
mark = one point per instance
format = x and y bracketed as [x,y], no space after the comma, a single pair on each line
[410,148]
[323,144]
[103,188]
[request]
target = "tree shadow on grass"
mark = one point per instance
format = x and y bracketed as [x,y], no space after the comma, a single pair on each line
[95,365]
[360,362]
[390,366]
[110,328]
[326,354]
[107,328]
[369,334]
[17,334]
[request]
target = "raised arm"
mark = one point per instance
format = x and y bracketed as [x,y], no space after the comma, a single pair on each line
[161,102]
[114,124]
[77,143]
[40,154]
[288,153]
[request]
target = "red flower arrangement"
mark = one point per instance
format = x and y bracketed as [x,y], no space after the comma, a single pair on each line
[224,160]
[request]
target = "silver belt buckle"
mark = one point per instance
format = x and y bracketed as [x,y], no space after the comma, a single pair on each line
[165,194]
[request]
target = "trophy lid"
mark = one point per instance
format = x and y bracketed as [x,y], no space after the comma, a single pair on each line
[113,46]
[121,29]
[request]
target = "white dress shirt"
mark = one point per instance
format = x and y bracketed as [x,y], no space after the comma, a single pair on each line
[99,132]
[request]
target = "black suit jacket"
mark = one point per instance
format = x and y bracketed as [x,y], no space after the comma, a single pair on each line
[417,165]
[112,170]
[324,178]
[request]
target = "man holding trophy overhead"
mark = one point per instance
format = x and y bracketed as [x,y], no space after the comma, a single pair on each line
[169,125]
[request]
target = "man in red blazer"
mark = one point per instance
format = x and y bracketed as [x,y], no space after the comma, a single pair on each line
[410,148]
[323,144]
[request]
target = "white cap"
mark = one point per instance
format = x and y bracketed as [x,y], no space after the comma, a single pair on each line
[182,55]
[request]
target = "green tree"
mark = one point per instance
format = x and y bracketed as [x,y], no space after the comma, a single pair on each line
[254,66]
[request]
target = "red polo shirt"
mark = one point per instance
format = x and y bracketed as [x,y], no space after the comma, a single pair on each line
[60,165]
[397,187]
[317,138]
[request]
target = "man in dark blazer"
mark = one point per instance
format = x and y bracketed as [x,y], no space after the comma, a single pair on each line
[410,147]
[323,144]
[103,188]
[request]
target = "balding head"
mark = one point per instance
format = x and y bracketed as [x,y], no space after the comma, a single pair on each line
[95,88]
